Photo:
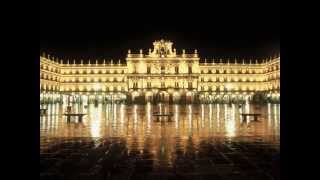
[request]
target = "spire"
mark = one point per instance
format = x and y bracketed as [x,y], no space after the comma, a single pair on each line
[213,61]
[68,61]
[220,61]
[250,61]
[74,62]
[129,51]
[43,54]
[89,62]
[104,62]
[61,61]
[111,61]
[256,61]
[235,61]
[96,62]
[81,62]
[205,60]
[242,61]
[228,61]
[119,62]
[49,56]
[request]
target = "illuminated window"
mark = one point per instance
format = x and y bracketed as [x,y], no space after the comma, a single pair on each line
[135,85]
[190,70]
[163,69]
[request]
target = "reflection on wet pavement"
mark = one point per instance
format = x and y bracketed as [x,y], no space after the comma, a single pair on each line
[208,141]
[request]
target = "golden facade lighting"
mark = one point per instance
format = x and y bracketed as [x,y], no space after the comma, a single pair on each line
[162,69]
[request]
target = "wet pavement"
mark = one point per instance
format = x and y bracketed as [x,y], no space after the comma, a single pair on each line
[127,142]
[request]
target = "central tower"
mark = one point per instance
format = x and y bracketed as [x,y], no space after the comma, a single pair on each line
[162,49]
[162,72]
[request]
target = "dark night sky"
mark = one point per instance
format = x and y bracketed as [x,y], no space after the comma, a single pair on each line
[107,30]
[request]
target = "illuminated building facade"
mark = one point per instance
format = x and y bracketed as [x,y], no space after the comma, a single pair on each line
[161,75]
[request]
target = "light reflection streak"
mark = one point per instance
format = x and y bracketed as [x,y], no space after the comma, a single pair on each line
[269,117]
[190,118]
[230,123]
[95,121]
[210,116]
[135,117]
[148,116]
[275,114]
[202,116]
[176,115]
[218,117]
[122,114]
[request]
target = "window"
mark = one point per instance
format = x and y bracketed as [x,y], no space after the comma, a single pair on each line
[190,85]
[190,70]
[148,84]
[177,70]
[176,84]
[148,70]
[135,85]
[163,85]
[163,69]
[134,69]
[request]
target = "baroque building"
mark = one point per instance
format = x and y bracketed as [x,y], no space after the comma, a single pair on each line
[160,75]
